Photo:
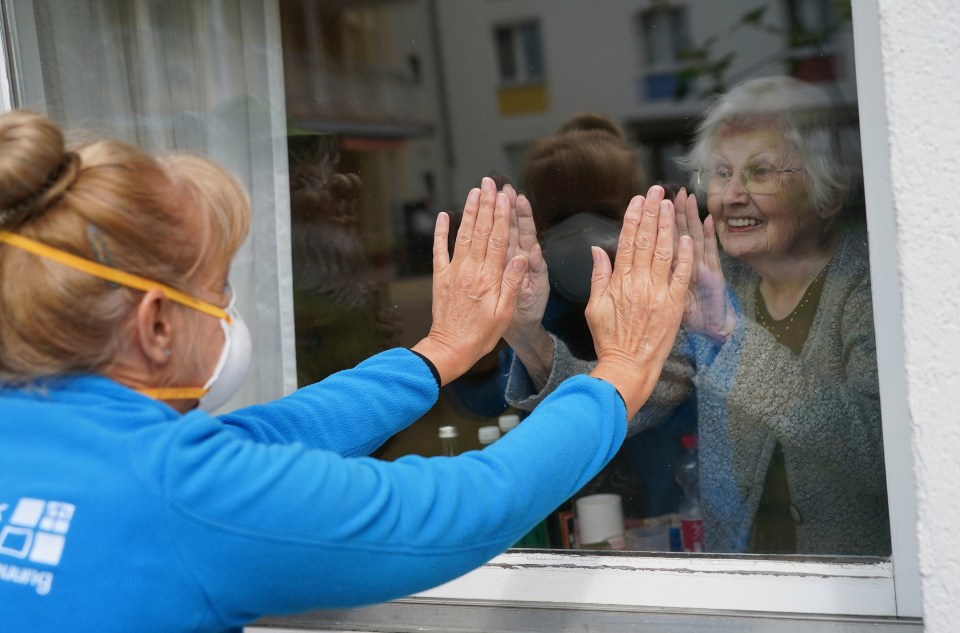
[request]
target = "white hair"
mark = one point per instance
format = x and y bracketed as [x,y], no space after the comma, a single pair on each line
[803,115]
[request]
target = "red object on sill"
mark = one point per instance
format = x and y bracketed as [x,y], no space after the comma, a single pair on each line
[818,68]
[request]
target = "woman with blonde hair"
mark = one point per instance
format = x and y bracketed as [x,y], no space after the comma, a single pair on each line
[126,506]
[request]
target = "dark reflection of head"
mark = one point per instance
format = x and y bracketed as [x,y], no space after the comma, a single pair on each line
[586,166]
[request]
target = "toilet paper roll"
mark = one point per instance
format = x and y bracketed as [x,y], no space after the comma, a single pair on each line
[599,517]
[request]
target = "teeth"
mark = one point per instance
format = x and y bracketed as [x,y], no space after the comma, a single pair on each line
[742,222]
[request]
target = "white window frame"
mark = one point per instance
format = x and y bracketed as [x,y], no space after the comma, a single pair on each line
[810,585]
[6,79]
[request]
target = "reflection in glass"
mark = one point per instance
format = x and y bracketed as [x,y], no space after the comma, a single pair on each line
[420,99]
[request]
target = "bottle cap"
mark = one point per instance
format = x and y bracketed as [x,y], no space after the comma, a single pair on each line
[448,431]
[508,422]
[689,442]
[489,434]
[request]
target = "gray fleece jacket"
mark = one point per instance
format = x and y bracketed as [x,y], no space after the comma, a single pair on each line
[823,405]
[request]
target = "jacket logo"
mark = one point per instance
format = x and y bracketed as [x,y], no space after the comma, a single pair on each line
[36,530]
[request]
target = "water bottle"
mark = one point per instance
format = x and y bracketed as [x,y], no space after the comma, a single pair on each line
[448,440]
[688,476]
[488,435]
[507,422]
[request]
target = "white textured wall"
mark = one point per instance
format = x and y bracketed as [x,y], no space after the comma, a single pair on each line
[919,47]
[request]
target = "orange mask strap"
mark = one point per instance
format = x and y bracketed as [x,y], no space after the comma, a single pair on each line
[131,281]
[174,393]
[111,274]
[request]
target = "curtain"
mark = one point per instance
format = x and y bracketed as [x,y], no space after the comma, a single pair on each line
[204,77]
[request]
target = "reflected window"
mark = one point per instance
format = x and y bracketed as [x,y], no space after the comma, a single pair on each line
[664,35]
[519,53]
[813,31]
[662,38]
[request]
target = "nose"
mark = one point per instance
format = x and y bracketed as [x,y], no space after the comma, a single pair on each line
[735,192]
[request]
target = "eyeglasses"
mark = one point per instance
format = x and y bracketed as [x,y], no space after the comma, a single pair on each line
[757,179]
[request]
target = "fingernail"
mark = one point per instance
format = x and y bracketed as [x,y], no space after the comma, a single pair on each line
[474,195]
[595,252]
[518,263]
[656,191]
[487,184]
[501,199]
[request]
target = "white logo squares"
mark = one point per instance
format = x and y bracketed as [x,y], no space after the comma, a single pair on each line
[28,512]
[57,517]
[47,548]
[35,530]
[15,541]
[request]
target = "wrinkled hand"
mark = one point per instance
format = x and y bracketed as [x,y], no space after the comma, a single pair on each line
[708,310]
[535,287]
[474,293]
[635,308]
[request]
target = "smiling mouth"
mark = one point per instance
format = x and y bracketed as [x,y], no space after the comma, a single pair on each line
[743,223]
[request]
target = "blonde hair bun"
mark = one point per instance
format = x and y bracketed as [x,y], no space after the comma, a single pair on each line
[35,168]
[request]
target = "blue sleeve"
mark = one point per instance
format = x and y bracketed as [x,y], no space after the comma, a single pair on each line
[282,528]
[351,412]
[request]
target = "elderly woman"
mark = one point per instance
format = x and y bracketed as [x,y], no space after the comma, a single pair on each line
[127,507]
[778,338]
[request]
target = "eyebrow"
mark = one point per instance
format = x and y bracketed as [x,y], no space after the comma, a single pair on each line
[753,159]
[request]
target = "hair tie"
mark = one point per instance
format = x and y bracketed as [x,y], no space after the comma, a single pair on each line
[56,184]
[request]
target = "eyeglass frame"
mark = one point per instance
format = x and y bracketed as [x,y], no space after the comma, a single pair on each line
[744,178]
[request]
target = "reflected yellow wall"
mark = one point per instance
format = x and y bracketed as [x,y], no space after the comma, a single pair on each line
[523,100]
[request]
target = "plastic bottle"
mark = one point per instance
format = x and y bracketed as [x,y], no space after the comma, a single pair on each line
[507,422]
[448,440]
[488,434]
[688,476]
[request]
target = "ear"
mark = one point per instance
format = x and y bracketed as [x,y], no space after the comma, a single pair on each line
[154,327]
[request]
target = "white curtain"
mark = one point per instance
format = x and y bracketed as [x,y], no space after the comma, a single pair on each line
[170,75]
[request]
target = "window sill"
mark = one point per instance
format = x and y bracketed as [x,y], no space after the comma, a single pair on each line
[409,615]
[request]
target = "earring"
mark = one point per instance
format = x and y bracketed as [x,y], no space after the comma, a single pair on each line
[168,353]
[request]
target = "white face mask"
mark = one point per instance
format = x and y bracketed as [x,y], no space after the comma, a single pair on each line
[234,362]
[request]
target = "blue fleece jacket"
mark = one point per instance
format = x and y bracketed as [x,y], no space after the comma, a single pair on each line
[119,514]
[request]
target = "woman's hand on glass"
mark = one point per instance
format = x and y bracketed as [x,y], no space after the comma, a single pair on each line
[636,305]
[475,291]
[708,309]
[526,334]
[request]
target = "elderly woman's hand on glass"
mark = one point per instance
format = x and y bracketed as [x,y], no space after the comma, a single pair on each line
[526,334]
[475,291]
[708,310]
[635,308]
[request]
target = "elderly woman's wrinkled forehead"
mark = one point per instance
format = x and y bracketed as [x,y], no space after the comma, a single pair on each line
[761,133]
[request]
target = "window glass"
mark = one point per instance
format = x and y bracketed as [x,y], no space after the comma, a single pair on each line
[177,76]
[764,434]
